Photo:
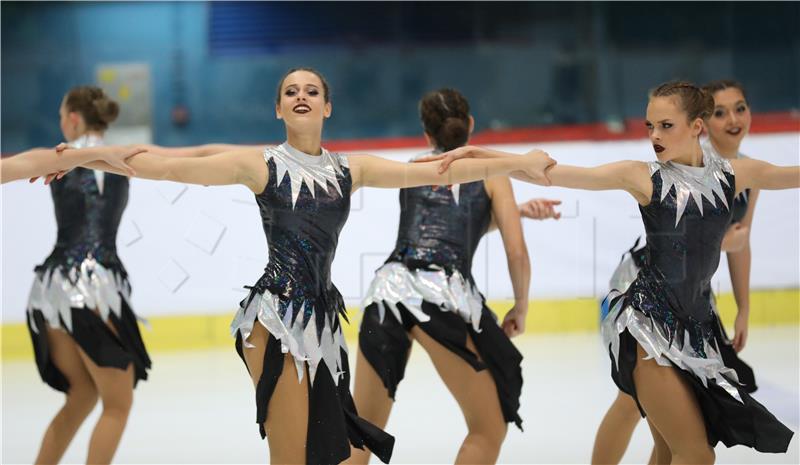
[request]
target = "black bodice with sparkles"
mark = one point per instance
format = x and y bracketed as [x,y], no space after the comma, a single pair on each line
[740,204]
[88,219]
[302,230]
[442,226]
[683,241]
[88,211]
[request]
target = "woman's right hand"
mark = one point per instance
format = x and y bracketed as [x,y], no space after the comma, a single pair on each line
[537,164]
[467,151]
[539,209]
[116,156]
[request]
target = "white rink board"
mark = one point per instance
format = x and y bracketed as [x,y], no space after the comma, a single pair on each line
[190,249]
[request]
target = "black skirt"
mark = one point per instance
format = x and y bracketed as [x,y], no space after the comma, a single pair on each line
[730,414]
[386,345]
[96,339]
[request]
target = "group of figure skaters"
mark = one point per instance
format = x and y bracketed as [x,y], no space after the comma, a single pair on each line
[670,356]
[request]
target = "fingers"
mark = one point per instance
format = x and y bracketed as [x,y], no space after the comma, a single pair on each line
[122,166]
[510,328]
[33,179]
[61,147]
[445,164]
[739,340]
[546,176]
[513,324]
[539,209]
[427,158]
[55,176]
[129,171]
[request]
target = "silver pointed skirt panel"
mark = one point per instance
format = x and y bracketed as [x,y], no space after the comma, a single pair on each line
[394,283]
[301,342]
[89,285]
[650,336]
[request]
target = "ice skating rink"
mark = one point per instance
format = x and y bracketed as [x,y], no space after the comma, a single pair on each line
[198,407]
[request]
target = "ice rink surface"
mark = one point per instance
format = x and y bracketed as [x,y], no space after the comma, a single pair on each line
[198,407]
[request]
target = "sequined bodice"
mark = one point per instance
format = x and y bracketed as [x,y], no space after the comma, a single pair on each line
[303,208]
[88,209]
[442,225]
[740,204]
[685,223]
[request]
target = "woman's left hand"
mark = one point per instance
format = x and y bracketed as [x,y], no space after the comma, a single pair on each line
[740,330]
[514,321]
[53,176]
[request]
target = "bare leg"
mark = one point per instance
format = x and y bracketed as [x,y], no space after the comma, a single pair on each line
[116,391]
[287,413]
[660,454]
[372,400]
[673,410]
[615,431]
[80,401]
[476,394]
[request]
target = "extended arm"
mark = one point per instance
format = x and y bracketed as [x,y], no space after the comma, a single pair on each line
[630,176]
[757,174]
[198,150]
[40,162]
[373,171]
[243,166]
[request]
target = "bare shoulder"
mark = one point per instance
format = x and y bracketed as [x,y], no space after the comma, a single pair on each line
[745,164]
[635,171]
[252,167]
[358,163]
[358,159]
[636,166]
[636,175]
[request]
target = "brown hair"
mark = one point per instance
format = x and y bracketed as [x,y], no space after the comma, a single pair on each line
[94,106]
[696,102]
[326,93]
[445,118]
[721,84]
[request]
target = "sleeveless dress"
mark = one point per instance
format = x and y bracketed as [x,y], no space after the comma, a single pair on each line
[303,208]
[82,285]
[427,281]
[667,308]
[634,259]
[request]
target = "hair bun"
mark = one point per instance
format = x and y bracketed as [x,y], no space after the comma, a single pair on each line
[107,109]
[445,118]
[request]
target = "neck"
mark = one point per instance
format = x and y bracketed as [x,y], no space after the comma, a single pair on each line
[693,158]
[90,134]
[306,143]
[729,152]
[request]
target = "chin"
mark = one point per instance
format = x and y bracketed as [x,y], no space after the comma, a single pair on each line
[664,157]
[303,124]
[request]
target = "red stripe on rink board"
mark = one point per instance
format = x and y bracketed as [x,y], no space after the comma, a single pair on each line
[763,123]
